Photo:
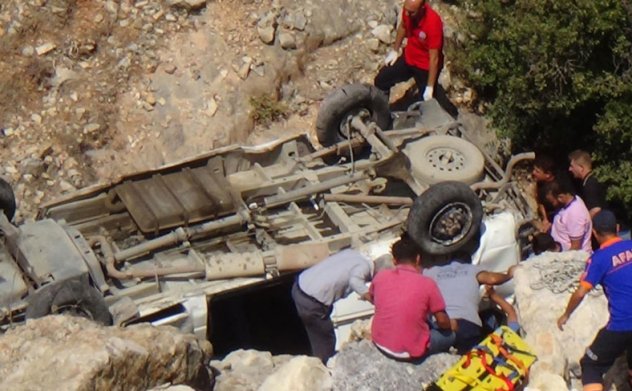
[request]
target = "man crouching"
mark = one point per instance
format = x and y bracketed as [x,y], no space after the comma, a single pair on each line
[403,300]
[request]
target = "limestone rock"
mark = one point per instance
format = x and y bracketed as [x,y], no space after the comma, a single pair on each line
[70,353]
[383,33]
[287,40]
[33,166]
[266,27]
[373,44]
[295,20]
[543,287]
[243,370]
[301,373]
[360,366]
[266,34]
[45,48]
[187,4]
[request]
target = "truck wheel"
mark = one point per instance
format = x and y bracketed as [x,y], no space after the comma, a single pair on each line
[436,159]
[342,104]
[72,297]
[7,199]
[445,217]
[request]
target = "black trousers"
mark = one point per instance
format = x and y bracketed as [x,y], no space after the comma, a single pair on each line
[400,71]
[601,354]
[468,335]
[318,324]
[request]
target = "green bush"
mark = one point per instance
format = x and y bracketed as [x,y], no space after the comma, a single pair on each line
[555,75]
[266,109]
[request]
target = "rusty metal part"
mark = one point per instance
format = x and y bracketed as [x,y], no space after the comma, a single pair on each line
[335,149]
[314,189]
[506,176]
[111,261]
[368,199]
[384,148]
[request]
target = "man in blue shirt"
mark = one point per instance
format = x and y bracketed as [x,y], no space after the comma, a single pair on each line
[610,266]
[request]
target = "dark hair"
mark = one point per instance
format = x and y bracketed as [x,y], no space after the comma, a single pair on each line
[542,242]
[544,163]
[605,222]
[405,250]
[561,185]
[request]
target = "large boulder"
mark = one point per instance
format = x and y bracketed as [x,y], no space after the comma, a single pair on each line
[360,366]
[301,373]
[250,370]
[543,287]
[71,353]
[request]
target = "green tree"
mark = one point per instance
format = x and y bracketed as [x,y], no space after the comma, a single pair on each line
[556,75]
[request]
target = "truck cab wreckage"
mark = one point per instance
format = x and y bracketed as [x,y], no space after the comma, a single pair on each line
[157,246]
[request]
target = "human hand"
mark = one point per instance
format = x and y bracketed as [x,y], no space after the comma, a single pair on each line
[366,297]
[489,290]
[428,93]
[390,58]
[562,321]
[511,270]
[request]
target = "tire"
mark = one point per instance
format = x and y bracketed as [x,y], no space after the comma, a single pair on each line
[348,101]
[436,159]
[451,203]
[7,199]
[72,297]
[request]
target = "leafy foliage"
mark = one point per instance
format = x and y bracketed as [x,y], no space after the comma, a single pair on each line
[266,109]
[556,75]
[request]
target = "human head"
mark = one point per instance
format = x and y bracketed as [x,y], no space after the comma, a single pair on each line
[543,169]
[406,251]
[604,225]
[414,8]
[542,242]
[580,163]
[560,192]
[382,262]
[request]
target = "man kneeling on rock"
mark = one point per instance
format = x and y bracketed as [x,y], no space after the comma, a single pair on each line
[459,282]
[404,300]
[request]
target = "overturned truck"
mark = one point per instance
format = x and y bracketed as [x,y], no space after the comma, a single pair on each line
[158,245]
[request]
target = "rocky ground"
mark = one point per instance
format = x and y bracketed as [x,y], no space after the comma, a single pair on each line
[93,89]
[61,352]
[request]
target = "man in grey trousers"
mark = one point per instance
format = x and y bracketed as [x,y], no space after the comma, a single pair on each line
[317,289]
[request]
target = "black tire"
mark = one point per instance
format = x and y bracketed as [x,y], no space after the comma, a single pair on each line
[7,199]
[444,218]
[72,297]
[348,101]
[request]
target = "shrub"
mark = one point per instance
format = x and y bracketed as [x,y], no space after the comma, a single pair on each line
[555,75]
[266,109]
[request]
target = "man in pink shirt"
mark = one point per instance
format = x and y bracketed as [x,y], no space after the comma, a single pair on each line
[572,225]
[403,300]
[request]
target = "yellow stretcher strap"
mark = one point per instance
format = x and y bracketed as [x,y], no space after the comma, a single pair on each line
[500,344]
[499,363]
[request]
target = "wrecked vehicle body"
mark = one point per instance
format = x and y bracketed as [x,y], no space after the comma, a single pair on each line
[157,246]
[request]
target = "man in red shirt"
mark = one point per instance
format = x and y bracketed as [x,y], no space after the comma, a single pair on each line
[403,300]
[423,54]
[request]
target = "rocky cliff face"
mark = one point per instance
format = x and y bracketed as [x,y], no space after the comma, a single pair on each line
[69,353]
[97,88]
[543,287]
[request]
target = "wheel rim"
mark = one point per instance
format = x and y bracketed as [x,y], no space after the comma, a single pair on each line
[345,124]
[451,223]
[446,159]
